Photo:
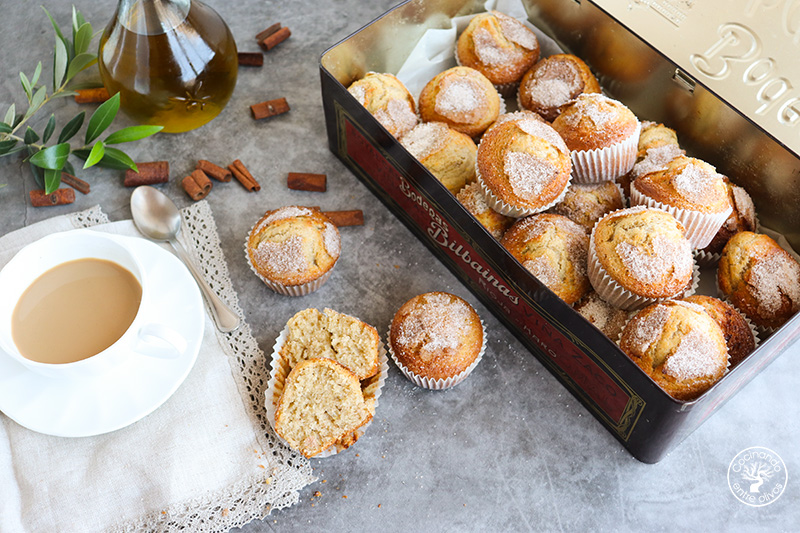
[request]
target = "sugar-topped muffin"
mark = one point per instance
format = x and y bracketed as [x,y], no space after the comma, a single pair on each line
[658,145]
[523,167]
[739,336]
[474,201]
[604,316]
[760,278]
[639,255]
[692,191]
[678,345]
[742,218]
[388,100]
[554,82]
[462,98]
[602,135]
[554,249]
[515,115]
[293,249]
[448,154]
[498,46]
[586,203]
[436,339]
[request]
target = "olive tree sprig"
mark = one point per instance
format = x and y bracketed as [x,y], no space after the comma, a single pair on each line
[70,57]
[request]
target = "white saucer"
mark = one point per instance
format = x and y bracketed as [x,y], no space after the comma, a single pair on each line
[92,406]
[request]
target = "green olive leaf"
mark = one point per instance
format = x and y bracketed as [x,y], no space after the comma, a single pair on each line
[49,129]
[77,20]
[36,101]
[81,62]
[102,118]
[26,85]
[132,133]
[52,181]
[5,128]
[36,74]
[55,25]
[60,60]
[95,155]
[52,157]
[68,168]
[30,136]
[6,146]
[113,158]
[71,128]
[10,115]
[82,38]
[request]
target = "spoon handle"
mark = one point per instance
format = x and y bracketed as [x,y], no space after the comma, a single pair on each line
[225,319]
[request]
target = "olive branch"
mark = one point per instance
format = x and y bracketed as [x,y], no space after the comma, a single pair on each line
[70,57]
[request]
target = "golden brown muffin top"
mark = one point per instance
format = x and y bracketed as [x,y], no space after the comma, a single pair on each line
[604,316]
[554,82]
[498,46]
[654,135]
[742,218]
[293,245]
[448,154]
[474,201]
[686,183]
[645,251]
[586,203]
[678,345]
[595,121]
[760,278]
[738,335]
[554,249]
[462,98]
[436,335]
[516,115]
[388,100]
[525,163]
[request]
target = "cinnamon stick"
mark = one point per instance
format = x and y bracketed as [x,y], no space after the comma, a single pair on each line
[346,218]
[197,185]
[273,40]
[91,96]
[59,197]
[260,36]
[304,181]
[251,59]
[75,182]
[214,171]
[270,108]
[243,176]
[150,173]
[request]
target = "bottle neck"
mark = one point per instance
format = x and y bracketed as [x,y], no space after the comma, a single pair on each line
[152,17]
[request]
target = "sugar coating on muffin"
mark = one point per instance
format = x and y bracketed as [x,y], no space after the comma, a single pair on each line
[678,345]
[498,46]
[513,116]
[595,121]
[436,335]
[604,316]
[448,154]
[389,101]
[553,83]
[686,183]
[644,251]
[586,203]
[293,245]
[739,337]
[742,218]
[525,164]
[554,249]
[760,278]
[462,98]
[474,201]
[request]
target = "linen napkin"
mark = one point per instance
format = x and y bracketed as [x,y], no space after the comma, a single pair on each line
[203,461]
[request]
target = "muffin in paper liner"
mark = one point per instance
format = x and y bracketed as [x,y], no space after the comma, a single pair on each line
[509,210]
[435,384]
[705,259]
[764,331]
[617,295]
[605,164]
[371,387]
[505,90]
[287,290]
[700,227]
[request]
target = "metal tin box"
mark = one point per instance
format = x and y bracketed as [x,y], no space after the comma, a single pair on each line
[725,85]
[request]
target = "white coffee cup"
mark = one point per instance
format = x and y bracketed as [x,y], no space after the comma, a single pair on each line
[143,337]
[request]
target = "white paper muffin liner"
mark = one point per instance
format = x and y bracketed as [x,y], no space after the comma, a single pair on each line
[435,384]
[615,294]
[371,387]
[605,164]
[288,290]
[700,227]
[705,259]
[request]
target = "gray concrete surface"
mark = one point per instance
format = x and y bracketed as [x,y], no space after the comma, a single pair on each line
[507,450]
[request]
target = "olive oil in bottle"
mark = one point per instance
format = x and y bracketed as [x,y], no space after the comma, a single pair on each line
[173,62]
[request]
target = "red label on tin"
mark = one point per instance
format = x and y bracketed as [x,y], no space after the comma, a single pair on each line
[587,375]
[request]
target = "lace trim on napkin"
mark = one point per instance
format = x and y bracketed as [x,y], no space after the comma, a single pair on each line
[287,471]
